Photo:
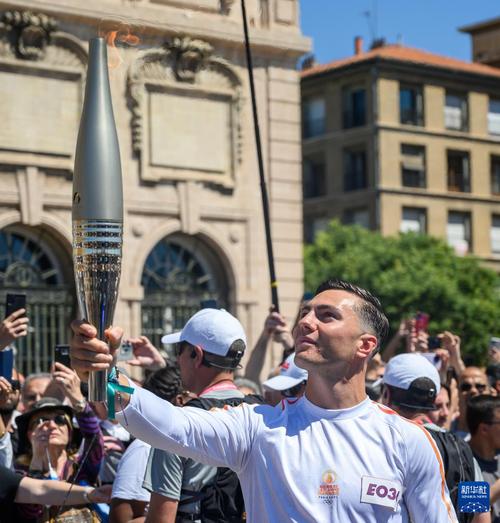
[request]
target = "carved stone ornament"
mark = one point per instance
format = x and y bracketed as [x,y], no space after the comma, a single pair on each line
[166,71]
[29,32]
[189,55]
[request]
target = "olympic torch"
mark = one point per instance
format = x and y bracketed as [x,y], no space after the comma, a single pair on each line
[97,206]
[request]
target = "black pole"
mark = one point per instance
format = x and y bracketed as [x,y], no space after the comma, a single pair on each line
[263,187]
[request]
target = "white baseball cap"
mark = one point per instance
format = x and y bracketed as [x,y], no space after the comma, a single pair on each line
[402,370]
[290,375]
[213,330]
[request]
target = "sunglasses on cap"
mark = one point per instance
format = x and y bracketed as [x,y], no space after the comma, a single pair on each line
[466,387]
[58,419]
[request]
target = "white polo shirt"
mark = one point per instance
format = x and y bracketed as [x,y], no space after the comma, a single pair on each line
[298,462]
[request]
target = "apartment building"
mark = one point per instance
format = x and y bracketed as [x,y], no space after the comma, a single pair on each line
[399,139]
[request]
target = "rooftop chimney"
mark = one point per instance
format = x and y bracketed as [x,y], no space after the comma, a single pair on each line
[308,62]
[358,45]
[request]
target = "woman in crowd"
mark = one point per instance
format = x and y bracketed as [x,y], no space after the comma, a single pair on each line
[49,442]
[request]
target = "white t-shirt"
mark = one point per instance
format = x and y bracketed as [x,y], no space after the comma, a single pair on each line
[130,473]
[298,462]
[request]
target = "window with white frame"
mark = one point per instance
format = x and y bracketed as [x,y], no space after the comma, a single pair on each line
[455,112]
[495,234]
[413,219]
[458,232]
[314,117]
[494,116]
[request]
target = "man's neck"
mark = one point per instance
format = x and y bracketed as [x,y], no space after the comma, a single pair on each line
[416,417]
[482,447]
[208,380]
[341,394]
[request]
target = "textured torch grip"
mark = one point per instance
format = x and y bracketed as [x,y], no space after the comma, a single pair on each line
[97,254]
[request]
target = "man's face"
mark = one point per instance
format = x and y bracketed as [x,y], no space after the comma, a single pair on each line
[493,430]
[494,354]
[442,402]
[328,333]
[186,366]
[34,391]
[473,382]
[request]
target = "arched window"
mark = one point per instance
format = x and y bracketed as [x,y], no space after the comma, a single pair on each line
[180,274]
[31,263]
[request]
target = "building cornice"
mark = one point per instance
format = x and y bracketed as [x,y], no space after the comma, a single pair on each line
[159,20]
[426,193]
[346,136]
[450,135]
[431,73]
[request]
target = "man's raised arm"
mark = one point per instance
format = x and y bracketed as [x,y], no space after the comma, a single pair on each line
[221,438]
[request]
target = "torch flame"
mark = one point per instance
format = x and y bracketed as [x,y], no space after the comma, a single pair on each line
[115,33]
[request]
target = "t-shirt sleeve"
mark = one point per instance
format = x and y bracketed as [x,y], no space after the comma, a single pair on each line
[220,437]
[164,474]
[478,475]
[130,473]
[9,483]
[426,494]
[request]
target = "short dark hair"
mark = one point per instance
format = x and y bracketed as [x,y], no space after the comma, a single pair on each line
[230,362]
[165,383]
[369,311]
[481,409]
[419,397]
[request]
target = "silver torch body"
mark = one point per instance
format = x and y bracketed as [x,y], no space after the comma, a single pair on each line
[97,206]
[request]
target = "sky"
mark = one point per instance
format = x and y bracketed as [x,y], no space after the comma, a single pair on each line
[424,24]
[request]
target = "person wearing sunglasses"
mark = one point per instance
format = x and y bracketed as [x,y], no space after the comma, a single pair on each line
[472,382]
[49,446]
[289,383]
[483,421]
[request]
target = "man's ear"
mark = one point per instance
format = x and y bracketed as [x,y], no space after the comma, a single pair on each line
[198,358]
[367,343]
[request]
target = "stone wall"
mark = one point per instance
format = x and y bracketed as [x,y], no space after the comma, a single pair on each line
[183,114]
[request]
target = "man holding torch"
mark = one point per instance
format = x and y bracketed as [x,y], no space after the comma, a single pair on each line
[332,455]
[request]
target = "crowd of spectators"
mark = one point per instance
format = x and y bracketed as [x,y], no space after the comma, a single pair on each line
[48,430]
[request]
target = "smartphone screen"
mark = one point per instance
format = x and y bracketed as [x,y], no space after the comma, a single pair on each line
[14,302]
[421,321]
[6,363]
[61,355]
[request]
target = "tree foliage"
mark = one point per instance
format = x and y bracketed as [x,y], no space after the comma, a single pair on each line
[411,273]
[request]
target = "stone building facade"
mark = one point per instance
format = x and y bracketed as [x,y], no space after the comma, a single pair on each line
[399,139]
[193,219]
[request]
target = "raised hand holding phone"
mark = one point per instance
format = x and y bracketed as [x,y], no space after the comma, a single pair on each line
[14,326]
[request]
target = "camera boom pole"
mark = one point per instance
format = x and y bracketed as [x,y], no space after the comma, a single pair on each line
[263,187]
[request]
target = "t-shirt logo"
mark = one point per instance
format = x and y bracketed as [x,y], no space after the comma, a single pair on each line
[328,489]
[379,491]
